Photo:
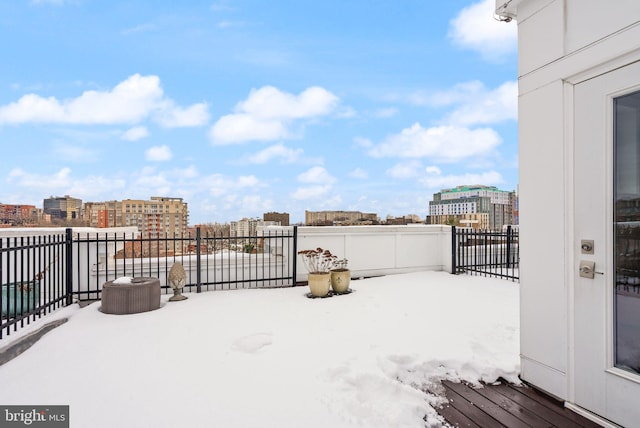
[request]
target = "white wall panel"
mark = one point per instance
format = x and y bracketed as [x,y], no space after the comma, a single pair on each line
[542,231]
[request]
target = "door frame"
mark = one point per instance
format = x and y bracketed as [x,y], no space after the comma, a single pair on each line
[610,377]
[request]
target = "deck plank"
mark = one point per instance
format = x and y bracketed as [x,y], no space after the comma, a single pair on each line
[544,399]
[550,411]
[506,405]
[456,418]
[513,407]
[472,412]
[485,405]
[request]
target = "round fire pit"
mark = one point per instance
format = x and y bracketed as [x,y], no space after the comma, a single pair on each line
[138,295]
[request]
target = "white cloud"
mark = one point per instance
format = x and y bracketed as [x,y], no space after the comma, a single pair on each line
[225,24]
[359,173]
[363,142]
[58,180]
[75,153]
[346,112]
[142,28]
[179,117]
[219,185]
[247,181]
[54,2]
[459,94]
[310,192]
[285,154]
[320,184]
[158,154]
[63,183]
[386,112]
[151,182]
[221,6]
[188,172]
[475,28]
[316,175]
[435,180]
[478,105]
[239,128]
[255,203]
[129,102]
[268,113]
[136,133]
[93,186]
[405,169]
[440,144]
[269,102]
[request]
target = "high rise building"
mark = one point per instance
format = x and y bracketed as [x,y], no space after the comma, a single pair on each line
[332,218]
[63,207]
[249,226]
[282,218]
[482,207]
[157,217]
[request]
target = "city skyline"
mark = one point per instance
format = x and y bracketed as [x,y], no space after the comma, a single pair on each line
[242,108]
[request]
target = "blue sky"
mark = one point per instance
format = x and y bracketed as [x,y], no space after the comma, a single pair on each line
[247,106]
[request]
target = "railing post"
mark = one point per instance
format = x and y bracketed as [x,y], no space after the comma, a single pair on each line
[295,254]
[198,262]
[69,266]
[454,248]
[508,247]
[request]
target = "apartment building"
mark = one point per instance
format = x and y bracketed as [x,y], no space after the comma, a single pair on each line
[63,207]
[247,227]
[480,207]
[282,218]
[337,218]
[17,214]
[154,218]
[405,219]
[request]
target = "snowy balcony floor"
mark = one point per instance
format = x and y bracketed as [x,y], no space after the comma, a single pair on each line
[272,357]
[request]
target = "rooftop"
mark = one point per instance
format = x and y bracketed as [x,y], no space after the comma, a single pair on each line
[272,357]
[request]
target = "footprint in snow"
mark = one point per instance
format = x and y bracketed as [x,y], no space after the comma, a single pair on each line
[252,343]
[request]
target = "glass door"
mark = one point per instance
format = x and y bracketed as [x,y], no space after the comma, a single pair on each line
[626,299]
[604,351]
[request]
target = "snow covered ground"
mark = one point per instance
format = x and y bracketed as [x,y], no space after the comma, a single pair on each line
[274,358]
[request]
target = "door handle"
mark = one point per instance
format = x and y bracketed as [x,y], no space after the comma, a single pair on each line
[587,269]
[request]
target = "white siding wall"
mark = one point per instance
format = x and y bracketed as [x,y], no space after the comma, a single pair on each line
[381,250]
[542,234]
[561,43]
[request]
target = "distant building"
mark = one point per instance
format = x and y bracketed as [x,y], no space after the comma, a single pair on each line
[103,214]
[247,227]
[282,218]
[64,208]
[405,219]
[480,207]
[17,214]
[339,218]
[155,218]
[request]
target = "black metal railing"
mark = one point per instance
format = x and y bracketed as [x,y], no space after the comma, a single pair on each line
[34,278]
[42,273]
[486,253]
[211,261]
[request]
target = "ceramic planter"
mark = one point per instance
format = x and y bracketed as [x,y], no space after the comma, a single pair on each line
[340,280]
[319,284]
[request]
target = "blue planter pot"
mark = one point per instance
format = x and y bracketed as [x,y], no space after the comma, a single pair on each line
[19,298]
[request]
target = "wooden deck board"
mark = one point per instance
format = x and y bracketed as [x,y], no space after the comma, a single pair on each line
[550,411]
[456,418]
[540,397]
[468,411]
[505,405]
